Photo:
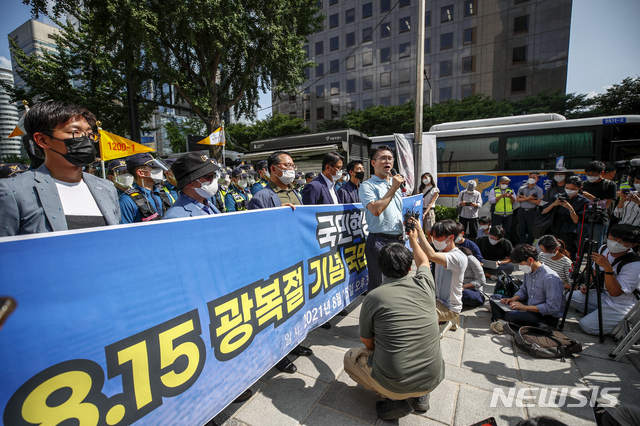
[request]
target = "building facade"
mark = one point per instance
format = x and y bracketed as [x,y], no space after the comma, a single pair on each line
[367,53]
[34,38]
[8,119]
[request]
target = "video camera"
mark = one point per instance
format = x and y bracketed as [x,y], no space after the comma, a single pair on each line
[597,212]
[408,224]
[628,167]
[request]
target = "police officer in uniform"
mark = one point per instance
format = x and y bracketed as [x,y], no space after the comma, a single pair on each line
[168,186]
[143,201]
[237,198]
[9,170]
[502,199]
[119,175]
[261,168]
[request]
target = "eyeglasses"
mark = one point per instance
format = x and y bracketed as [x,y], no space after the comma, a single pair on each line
[77,135]
[385,158]
[208,177]
[289,166]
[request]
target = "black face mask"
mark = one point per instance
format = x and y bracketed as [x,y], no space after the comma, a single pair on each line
[359,175]
[80,152]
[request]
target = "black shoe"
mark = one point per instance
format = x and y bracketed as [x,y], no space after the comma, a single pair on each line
[343,313]
[421,404]
[302,351]
[390,410]
[326,326]
[243,397]
[286,366]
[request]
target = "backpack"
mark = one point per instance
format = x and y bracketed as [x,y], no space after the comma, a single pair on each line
[545,343]
[506,286]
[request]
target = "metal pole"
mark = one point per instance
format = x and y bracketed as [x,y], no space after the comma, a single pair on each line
[417,133]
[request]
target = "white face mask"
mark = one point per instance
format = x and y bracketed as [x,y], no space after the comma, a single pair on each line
[493,242]
[267,175]
[287,177]
[531,181]
[157,175]
[525,268]
[124,180]
[570,192]
[458,239]
[503,186]
[593,179]
[616,247]
[558,178]
[207,190]
[636,186]
[337,176]
[440,245]
[242,183]
[426,181]
[484,227]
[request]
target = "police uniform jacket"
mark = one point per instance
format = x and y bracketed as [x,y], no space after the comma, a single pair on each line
[30,203]
[316,192]
[185,207]
[267,199]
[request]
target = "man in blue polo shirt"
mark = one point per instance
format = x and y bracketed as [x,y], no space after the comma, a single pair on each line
[383,210]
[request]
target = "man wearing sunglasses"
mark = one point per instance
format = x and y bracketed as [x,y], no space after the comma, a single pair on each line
[197,182]
[58,196]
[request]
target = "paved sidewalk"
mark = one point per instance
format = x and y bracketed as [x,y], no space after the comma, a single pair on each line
[477,362]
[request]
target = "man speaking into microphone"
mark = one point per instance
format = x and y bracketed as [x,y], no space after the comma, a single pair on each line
[382,201]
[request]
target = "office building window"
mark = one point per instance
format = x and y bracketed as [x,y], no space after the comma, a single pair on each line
[427,18]
[385,5]
[306,50]
[334,43]
[320,91]
[292,98]
[319,4]
[469,35]
[319,70]
[351,63]
[367,82]
[307,114]
[470,7]
[335,66]
[405,24]
[385,30]
[520,54]
[367,59]
[307,73]
[385,79]
[332,2]
[366,34]
[521,24]
[385,54]
[351,106]
[350,16]
[367,103]
[469,64]
[293,114]
[334,20]
[404,98]
[351,85]
[427,45]
[446,14]
[404,50]
[351,39]
[335,88]
[305,94]
[445,94]
[404,75]
[446,68]
[468,90]
[367,10]
[320,113]
[446,41]
[319,48]
[335,111]
[405,3]
[518,84]
[385,101]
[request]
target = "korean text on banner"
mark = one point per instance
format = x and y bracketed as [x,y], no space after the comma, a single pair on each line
[215,138]
[114,146]
[168,342]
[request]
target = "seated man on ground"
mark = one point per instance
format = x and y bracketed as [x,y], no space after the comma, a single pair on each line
[485,225]
[461,241]
[402,360]
[621,268]
[540,298]
[474,281]
[496,248]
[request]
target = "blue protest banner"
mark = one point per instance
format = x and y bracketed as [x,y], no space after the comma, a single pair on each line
[165,323]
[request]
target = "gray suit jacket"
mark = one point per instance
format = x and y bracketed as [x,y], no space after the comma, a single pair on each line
[29,203]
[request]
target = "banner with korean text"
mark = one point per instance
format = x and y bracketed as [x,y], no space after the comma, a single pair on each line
[166,323]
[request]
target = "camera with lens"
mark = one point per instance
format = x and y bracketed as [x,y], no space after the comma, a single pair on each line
[408,223]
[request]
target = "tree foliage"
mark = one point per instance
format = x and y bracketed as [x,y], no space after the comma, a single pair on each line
[273,126]
[177,133]
[623,98]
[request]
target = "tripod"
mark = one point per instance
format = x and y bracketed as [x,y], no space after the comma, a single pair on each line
[589,245]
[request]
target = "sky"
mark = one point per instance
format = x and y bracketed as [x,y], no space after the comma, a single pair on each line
[602,52]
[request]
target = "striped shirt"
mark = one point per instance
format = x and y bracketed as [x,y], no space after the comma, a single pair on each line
[560,266]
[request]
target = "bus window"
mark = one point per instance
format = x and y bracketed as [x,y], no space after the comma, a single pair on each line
[468,155]
[533,152]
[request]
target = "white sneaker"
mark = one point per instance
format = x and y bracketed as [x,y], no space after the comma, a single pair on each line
[499,327]
[487,306]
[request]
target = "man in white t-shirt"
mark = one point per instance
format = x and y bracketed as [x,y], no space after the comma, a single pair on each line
[450,266]
[58,196]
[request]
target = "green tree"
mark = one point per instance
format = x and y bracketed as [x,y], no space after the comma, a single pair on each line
[623,98]
[570,105]
[177,133]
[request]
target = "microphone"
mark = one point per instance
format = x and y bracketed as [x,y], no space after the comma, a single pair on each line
[402,186]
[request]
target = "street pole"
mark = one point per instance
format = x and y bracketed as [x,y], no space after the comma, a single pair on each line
[417,133]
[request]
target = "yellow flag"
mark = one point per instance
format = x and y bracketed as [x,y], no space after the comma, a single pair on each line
[113,146]
[16,132]
[215,138]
